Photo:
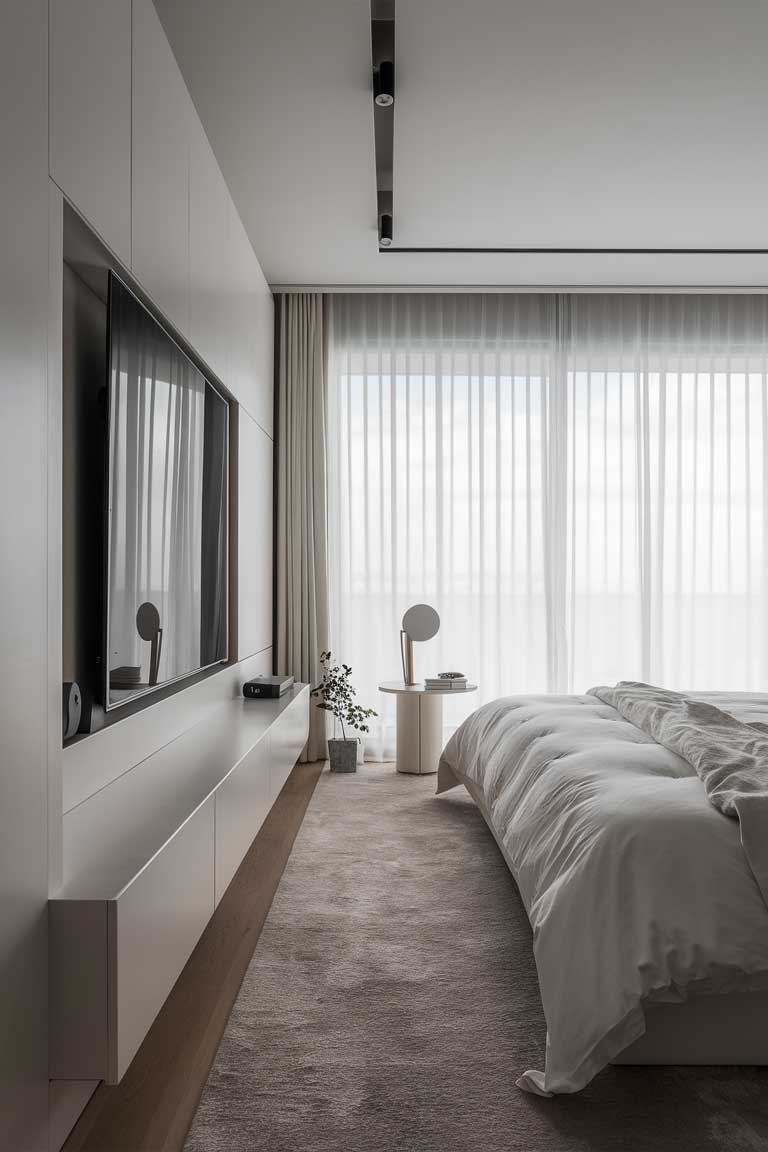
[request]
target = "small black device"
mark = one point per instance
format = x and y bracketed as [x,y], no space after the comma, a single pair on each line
[71,708]
[267,687]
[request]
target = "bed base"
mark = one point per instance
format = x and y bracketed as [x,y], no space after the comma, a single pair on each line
[718,1029]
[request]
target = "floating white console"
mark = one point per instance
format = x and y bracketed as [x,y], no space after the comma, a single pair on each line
[146,860]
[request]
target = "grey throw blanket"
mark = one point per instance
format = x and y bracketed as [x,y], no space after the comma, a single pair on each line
[729,756]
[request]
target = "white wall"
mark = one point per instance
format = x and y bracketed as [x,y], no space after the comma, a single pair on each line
[90,109]
[23,587]
[125,147]
[254,619]
[191,254]
[162,125]
[137,165]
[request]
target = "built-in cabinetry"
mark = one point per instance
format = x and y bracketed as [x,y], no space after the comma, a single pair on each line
[209,212]
[90,113]
[146,860]
[242,802]
[157,811]
[128,150]
[251,338]
[163,116]
[92,106]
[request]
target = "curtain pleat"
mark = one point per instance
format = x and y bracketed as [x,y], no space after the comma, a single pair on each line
[301,592]
[156,462]
[578,483]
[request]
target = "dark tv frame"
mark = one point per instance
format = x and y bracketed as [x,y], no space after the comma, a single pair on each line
[134,697]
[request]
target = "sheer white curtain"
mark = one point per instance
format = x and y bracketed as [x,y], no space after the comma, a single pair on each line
[579,484]
[156,471]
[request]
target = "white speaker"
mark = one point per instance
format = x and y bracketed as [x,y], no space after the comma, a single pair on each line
[72,709]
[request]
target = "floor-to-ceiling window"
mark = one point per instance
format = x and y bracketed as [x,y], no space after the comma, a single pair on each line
[578,483]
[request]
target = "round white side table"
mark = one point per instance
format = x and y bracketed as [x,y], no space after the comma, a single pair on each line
[419,724]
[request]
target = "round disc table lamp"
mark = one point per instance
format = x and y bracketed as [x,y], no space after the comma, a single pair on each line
[420,622]
[148,627]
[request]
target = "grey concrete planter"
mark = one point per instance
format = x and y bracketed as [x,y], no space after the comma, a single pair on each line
[343,755]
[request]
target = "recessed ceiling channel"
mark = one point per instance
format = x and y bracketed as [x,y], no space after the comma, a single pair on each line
[383,57]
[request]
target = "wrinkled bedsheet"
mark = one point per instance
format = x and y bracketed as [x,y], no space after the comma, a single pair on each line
[729,756]
[635,885]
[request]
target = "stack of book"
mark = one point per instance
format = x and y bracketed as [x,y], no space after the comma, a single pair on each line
[125,677]
[446,683]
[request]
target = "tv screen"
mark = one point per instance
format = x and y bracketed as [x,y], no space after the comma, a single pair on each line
[167,509]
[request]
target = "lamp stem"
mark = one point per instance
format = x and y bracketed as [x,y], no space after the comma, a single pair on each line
[408,660]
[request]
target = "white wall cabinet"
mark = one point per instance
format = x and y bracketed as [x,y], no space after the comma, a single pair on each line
[190,250]
[146,861]
[242,803]
[254,537]
[288,733]
[90,113]
[153,926]
[209,209]
[251,320]
[163,118]
[128,150]
[115,960]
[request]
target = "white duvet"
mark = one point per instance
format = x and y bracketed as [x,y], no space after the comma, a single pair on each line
[635,886]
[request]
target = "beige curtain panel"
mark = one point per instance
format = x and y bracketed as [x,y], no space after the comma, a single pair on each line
[301,579]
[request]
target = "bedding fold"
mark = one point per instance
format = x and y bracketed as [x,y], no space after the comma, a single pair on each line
[635,885]
[730,757]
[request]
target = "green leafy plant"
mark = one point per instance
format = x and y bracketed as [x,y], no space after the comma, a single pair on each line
[335,694]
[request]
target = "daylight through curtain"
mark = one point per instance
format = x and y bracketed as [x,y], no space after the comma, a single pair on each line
[579,484]
[156,470]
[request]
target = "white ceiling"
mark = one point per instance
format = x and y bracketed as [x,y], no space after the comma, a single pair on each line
[565,123]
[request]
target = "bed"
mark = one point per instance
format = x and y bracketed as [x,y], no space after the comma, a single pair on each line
[647,901]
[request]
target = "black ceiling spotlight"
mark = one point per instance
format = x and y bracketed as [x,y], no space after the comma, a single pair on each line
[385,229]
[382,60]
[383,63]
[384,84]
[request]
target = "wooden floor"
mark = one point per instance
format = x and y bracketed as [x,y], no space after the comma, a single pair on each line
[152,1107]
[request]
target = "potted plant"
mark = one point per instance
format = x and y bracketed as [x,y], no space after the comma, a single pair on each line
[335,694]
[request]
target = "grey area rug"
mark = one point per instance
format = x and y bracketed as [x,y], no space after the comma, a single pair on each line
[392,1000]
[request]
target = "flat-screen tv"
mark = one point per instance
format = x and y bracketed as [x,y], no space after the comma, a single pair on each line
[166,509]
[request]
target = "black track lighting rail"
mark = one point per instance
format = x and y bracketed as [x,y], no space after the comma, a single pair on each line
[529,251]
[383,59]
